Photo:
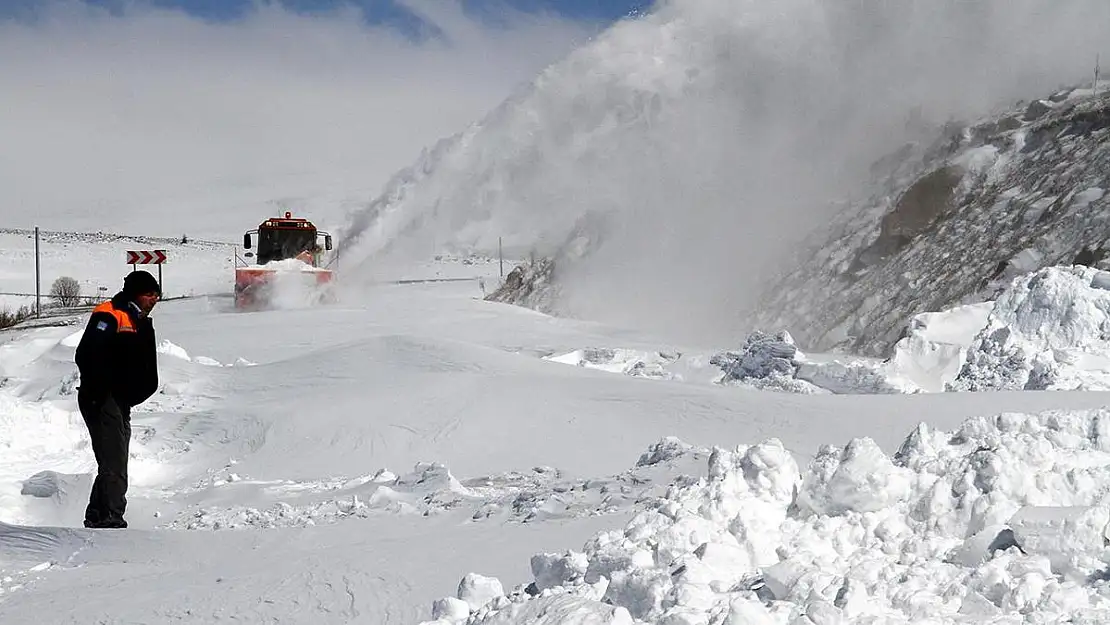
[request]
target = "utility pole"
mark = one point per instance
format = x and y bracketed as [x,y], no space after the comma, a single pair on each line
[1094,85]
[38,280]
[500,258]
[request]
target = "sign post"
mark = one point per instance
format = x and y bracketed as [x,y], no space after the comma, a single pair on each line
[148,257]
[38,278]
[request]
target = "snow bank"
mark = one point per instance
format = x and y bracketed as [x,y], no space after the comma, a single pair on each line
[1003,518]
[34,435]
[1049,331]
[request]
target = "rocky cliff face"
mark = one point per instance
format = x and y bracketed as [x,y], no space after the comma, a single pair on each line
[947,223]
[953,223]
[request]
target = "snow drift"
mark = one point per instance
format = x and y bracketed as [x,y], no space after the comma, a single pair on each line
[953,528]
[1049,331]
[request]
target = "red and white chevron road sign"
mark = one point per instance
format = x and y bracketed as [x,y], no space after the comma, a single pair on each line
[146,257]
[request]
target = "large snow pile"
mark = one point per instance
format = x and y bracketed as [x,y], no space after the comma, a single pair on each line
[774,362]
[1003,518]
[1049,331]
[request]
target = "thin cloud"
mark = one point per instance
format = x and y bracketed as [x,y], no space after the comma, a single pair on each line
[113,119]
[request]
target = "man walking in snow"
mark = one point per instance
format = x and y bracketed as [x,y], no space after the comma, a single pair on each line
[118,361]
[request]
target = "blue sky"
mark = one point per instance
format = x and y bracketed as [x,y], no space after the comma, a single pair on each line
[375,11]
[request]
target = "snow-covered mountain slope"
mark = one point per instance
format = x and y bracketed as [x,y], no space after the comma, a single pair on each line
[955,223]
[691,150]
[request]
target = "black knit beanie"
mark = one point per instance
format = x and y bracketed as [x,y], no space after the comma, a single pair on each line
[139,282]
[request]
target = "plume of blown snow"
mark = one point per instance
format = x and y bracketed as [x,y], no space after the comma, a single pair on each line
[702,141]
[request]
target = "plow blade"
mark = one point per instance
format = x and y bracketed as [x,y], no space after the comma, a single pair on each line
[259,288]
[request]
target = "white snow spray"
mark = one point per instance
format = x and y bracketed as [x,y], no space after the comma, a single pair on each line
[690,150]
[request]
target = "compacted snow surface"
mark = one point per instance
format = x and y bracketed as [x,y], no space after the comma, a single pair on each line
[411,453]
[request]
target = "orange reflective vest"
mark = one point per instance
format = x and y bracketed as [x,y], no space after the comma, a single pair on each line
[123,320]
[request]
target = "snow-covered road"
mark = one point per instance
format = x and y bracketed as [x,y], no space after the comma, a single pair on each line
[353,462]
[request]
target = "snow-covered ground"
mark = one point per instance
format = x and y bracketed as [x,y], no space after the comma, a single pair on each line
[411,453]
[412,444]
[98,260]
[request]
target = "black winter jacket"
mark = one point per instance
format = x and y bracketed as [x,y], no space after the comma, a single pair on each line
[120,361]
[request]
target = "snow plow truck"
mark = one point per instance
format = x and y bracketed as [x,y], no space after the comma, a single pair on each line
[288,264]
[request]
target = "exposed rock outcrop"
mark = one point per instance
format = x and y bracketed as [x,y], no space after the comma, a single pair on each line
[954,223]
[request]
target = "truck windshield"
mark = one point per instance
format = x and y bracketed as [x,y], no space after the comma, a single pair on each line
[280,244]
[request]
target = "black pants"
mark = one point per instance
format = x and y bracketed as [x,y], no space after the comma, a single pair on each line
[110,430]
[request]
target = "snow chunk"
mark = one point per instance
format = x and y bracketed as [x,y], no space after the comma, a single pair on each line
[1073,538]
[935,345]
[773,362]
[763,356]
[450,609]
[858,479]
[477,590]
[667,449]
[852,377]
[169,349]
[551,570]
[51,484]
